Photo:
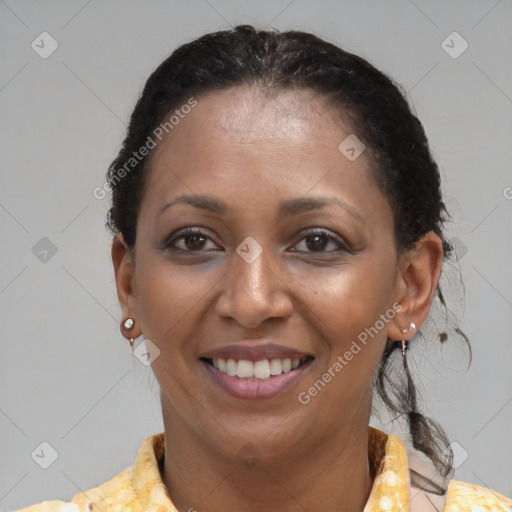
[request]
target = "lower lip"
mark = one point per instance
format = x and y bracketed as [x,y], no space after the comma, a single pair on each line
[257,388]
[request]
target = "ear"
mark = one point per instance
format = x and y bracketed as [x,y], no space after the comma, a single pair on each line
[124,270]
[417,279]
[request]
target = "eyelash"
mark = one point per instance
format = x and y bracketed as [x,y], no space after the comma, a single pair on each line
[187,232]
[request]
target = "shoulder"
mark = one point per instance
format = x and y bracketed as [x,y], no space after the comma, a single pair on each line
[115,491]
[467,497]
[131,489]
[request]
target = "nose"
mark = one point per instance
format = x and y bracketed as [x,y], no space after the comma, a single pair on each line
[254,292]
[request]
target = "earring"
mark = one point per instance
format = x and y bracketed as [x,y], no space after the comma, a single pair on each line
[128,325]
[411,327]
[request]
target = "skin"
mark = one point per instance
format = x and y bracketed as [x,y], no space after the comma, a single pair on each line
[253,152]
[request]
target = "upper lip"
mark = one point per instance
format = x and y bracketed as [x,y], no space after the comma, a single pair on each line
[252,350]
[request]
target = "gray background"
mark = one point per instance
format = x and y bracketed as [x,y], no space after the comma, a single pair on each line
[67,376]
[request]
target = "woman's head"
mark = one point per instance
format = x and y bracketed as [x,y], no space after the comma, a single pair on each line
[320,218]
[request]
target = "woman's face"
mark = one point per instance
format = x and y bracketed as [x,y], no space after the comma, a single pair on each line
[292,257]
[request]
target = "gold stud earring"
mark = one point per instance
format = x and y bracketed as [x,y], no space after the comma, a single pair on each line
[128,325]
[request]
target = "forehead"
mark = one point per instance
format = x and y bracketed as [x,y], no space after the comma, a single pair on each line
[249,113]
[246,144]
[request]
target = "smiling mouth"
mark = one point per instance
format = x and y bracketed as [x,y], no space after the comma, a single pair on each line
[263,369]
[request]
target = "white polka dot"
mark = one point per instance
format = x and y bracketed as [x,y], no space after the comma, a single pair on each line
[70,507]
[385,503]
[390,478]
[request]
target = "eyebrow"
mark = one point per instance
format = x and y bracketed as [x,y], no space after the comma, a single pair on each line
[286,209]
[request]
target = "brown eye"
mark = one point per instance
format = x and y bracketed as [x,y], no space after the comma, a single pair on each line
[194,241]
[319,240]
[189,240]
[316,242]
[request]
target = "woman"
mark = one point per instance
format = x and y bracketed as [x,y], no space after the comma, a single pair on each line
[278,240]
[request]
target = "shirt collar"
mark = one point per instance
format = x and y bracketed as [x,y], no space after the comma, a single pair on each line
[390,490]
[387,454]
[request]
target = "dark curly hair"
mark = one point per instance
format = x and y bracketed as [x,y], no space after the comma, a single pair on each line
[402,163]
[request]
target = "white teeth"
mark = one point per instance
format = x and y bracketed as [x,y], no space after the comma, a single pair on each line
[276,368]
[231,367]
[262,369]
[245,368]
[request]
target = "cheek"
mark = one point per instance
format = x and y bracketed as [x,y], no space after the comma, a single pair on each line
[171,302]
[169,299]
[347,299]
[345,306]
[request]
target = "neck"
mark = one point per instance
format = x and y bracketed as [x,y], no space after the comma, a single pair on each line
[334,474]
